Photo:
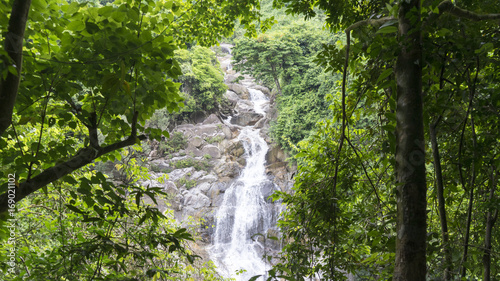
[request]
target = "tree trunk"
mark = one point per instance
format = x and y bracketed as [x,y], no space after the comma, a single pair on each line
[491,218]
[471,193]
[441,203]
[410,264]
[14,46]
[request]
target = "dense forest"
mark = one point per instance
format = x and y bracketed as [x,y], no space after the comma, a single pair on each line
[388,112]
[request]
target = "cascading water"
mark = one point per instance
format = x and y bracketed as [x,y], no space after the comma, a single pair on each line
[244,214]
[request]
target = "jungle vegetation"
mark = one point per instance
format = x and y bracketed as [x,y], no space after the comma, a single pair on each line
[389,108]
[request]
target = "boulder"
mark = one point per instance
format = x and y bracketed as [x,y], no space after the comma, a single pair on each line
[235,148]
[212,119]
[208,178]
[228,170]
[196,141]
[275,154]
[180,173]
[263,89]
[230,78]
[241,90]
[232,96]
[196,200]
[227,132]
[198,175]
[246,119]
[204,187]
[211,150]
[208,129]
[198,116]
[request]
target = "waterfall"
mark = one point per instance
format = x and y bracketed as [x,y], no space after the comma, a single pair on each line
[244,215]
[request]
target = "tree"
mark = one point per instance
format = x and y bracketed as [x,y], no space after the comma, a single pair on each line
[101,70]
[403,59]
[269,58]
[303,84]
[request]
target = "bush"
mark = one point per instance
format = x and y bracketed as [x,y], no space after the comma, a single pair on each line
[186,182]
[176,142]
[190,162]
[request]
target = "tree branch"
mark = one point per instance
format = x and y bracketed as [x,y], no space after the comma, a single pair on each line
[373,22]
[448,7]
[83,157]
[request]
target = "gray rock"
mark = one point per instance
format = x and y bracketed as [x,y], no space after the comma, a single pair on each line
[227,132]
[228,169]
[208,129]
[232,96]
[198,116]
[211,150]
[204,187]
[196,200]
[197,175]
[263,89]
[175,175]
[196,141]
[208,178]
[241,90]
[246,119]
[212,119]
[275,154]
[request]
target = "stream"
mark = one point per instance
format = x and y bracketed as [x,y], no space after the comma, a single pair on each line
[245,216]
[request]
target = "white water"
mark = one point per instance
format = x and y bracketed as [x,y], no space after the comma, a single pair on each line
[244,211]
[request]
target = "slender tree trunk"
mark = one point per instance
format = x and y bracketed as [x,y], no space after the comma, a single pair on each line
[471,194]
[491,218]
[441,203]
[410,264]
[14,46]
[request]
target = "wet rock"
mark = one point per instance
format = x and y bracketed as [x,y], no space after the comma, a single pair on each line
[235,148]
[263,89]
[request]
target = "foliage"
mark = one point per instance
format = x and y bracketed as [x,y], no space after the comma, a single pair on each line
[341,214]
[214,139]
[284,60]
[191,162]
[90,75]
[176,142]
[202,79]
[187,183]
[88,235]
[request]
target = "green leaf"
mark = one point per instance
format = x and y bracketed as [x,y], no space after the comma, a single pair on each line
[76,26]
[387,29]
[386,73]
[74,209]
[12,69]
[91,27]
